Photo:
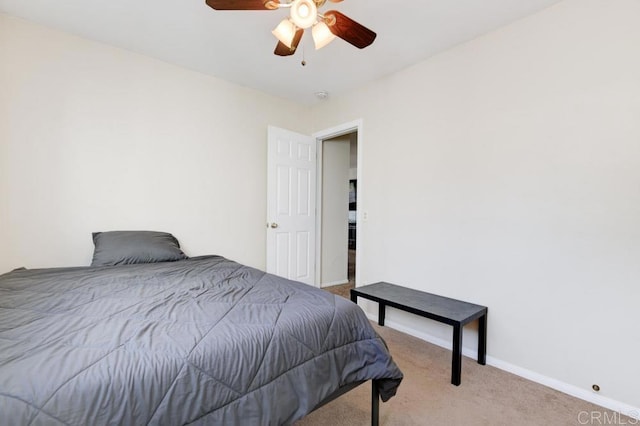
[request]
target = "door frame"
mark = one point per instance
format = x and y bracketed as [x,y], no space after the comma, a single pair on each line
[332,132]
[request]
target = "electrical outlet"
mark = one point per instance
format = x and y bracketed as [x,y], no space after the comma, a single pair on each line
[365,216]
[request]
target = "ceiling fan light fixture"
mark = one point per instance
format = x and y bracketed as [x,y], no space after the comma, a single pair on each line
[304,13]
[285,32]
[322,35]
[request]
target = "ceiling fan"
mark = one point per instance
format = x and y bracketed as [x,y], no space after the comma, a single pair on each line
[325,27]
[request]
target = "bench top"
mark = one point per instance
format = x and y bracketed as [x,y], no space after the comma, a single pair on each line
[419,302]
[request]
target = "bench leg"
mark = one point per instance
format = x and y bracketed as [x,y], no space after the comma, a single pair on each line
[375,404]
[354,297]
[482,340]
[456,361]
[381,312]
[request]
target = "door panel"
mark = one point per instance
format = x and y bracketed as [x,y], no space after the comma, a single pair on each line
[291,199]
[282,251]
[302,262]
[304,190]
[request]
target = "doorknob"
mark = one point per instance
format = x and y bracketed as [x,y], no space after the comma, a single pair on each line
[274,225]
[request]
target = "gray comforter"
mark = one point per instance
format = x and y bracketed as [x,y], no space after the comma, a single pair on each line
[204,341]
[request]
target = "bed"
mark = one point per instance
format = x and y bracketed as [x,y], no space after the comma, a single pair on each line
[202,340]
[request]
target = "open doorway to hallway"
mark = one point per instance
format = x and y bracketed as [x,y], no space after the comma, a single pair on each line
[338,210]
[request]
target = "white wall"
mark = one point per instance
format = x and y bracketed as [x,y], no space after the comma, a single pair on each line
[353,156]
[335,207]
[506,172]
[96,138]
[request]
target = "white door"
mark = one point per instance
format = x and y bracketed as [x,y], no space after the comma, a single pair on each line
[291,205]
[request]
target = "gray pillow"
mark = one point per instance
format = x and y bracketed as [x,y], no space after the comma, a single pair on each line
[128,247]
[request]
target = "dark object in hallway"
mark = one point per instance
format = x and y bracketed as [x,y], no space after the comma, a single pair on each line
[353,207]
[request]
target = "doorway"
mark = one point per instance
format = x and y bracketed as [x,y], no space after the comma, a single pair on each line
[337,201]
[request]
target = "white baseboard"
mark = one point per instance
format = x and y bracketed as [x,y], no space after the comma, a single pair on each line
[575,391]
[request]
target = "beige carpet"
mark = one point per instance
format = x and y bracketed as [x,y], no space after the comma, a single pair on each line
[487,396]
[343,290]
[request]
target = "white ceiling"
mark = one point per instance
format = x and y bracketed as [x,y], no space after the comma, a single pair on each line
[238,45]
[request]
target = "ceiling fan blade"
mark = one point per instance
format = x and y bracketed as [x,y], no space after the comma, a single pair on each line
[283,50]
[238,4]
[349,30]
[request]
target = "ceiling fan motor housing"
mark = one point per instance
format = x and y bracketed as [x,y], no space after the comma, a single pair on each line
[304,13]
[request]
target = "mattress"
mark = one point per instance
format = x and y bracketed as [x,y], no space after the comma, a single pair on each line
[199,341]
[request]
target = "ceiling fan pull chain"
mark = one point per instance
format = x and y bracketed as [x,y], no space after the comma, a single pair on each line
[304,63]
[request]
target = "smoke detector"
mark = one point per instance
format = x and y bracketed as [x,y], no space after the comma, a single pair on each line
[322,94]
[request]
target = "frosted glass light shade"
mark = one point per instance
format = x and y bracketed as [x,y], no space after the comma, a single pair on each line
[322,35]
[304,13]
[285,31]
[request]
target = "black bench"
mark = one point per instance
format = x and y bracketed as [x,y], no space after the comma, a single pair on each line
[443,309]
